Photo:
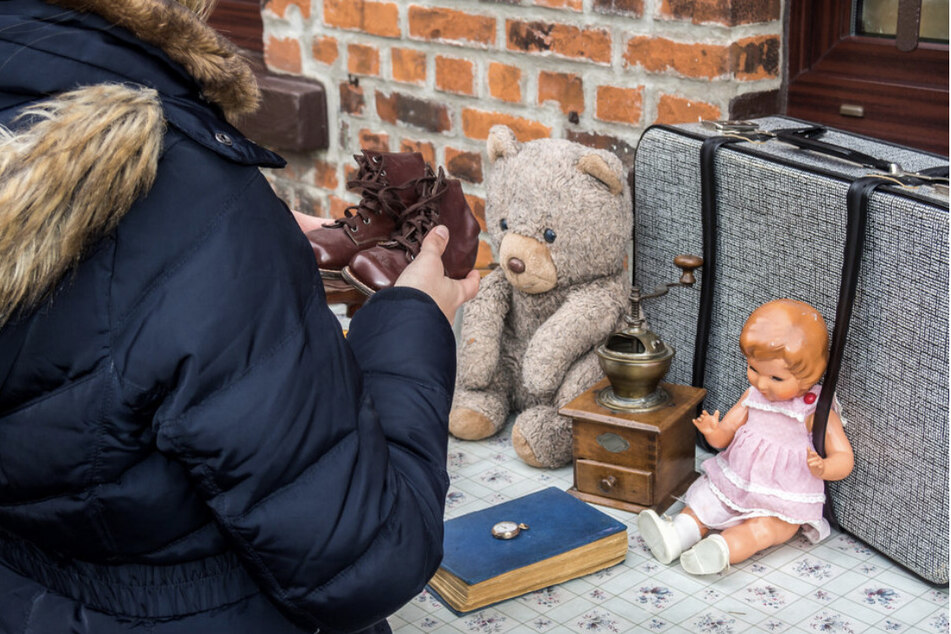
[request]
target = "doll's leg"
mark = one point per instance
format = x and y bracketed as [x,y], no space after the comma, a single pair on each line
[757,534]
[735,544]
[667,537]
[700,525]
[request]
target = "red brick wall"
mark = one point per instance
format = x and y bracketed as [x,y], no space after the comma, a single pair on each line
[435,75]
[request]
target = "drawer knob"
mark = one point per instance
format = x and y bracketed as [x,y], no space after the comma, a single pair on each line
[607,483]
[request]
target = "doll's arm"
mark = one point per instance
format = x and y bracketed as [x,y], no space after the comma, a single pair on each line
[587,316]
[482,324]
[839,458]
[718,432]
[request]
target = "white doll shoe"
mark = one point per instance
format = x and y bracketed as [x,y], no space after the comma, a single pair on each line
[708,557]
[660,535]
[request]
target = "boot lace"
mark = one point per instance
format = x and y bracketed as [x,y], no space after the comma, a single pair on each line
[417,219]
[378,196]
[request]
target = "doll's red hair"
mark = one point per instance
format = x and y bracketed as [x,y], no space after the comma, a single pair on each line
[791,330]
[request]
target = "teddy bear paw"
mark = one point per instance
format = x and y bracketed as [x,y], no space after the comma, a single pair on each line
[542,438]
[468,424]
[524,450]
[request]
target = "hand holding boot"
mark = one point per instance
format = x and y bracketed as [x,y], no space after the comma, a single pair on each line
[427,273]
[307,222]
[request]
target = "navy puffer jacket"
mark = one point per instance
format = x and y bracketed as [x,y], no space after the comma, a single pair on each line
[188,443]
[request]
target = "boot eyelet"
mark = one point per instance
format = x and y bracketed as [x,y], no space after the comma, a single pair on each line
[366,221]
[353,229]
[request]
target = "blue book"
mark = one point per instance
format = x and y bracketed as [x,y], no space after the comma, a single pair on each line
[560,538]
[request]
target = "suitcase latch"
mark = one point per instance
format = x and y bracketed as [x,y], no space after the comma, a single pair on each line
[731,126]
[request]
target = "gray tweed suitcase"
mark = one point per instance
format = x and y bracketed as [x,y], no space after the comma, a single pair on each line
[780,231]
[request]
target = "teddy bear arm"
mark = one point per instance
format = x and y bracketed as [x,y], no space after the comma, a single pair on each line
[586,318]
[482,324]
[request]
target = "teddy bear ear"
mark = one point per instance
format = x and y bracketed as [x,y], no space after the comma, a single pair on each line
[596,166]
[501,143]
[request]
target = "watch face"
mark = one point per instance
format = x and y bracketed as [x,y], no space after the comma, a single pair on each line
[505,530]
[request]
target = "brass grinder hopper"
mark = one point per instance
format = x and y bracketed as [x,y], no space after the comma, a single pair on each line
[635,359]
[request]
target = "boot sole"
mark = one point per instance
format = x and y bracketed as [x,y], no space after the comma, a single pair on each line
[330,274]
[354,282]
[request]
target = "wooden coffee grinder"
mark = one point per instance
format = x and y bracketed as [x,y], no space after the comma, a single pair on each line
[633,439]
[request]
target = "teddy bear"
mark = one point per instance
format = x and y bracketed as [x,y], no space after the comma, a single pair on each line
[558,215]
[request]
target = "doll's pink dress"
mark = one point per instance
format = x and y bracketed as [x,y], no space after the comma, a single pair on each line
[764,471]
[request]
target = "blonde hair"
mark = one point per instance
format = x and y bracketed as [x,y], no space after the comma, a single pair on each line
[201,8]
[791,330]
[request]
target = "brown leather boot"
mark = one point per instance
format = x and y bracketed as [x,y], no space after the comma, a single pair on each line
[440,202]
[386,182]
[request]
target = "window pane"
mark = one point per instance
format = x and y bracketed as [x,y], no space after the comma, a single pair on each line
[880,17]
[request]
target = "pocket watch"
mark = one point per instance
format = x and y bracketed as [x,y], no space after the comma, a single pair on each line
[508,529]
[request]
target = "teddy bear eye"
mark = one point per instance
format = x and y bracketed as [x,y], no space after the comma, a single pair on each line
[549,236]
[504,224]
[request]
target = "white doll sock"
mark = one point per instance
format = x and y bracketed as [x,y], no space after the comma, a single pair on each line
[687,531]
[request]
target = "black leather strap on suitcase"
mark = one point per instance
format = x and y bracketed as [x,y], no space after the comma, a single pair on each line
[941,171]
[708,217]
[857,213]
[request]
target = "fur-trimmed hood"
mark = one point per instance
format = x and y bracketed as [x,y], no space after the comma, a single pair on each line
[225,78]
[75,162]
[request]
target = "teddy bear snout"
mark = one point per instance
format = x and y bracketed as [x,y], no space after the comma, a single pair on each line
[527,264]
[516,266]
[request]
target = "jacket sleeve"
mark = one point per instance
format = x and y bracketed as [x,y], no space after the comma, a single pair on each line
[322,458]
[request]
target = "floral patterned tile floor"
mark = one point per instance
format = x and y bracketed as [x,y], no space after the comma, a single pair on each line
[837,586]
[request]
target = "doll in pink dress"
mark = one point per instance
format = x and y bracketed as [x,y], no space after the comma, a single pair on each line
[768,482]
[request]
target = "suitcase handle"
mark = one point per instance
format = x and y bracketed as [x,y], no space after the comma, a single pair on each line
[802,138]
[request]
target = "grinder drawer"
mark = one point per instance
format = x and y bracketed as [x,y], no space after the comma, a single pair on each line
[619,483]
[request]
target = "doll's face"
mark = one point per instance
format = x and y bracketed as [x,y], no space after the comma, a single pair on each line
[773,379]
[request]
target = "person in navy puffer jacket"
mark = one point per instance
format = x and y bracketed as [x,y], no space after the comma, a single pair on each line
[188,443]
